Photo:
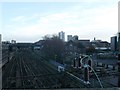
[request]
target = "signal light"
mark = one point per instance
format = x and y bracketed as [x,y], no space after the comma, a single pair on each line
[79,63]
[74,63]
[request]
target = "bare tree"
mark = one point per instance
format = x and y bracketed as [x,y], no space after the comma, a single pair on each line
[90,50]
[53,48]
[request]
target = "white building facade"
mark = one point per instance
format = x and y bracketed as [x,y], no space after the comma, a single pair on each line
[62,35]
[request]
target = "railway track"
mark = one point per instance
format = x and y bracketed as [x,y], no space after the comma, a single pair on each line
[12,74]
[7,72]
[30,70]
[42,68]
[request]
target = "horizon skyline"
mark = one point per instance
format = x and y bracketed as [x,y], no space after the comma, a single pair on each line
[29,22]
[58,36]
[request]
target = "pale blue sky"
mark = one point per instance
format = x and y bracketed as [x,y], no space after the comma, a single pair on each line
[30,21]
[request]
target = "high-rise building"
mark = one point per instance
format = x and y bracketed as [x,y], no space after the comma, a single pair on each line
[118,36]
[0,52]
[62,35]
[69,37]
[113,44]
[118,40]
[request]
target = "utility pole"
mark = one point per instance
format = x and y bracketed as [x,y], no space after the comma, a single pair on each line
[119,59]
[118,46]
[119,70]
[118,43]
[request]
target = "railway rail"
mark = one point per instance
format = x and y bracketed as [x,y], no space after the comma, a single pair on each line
[29,69]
